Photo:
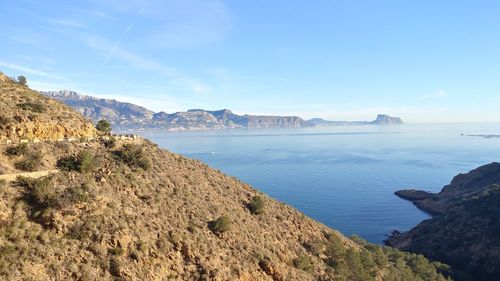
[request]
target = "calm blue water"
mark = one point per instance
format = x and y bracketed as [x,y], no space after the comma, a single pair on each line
[344,177]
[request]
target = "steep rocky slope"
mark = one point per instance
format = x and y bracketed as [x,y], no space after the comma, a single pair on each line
[26,114]
[465,229]
[127,210]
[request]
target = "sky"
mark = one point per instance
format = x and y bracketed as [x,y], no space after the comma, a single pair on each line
[425,61]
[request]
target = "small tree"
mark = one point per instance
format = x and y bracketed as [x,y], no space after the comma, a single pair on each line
[22,80]
[103,126]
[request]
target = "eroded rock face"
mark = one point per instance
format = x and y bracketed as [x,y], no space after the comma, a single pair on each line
[28,115]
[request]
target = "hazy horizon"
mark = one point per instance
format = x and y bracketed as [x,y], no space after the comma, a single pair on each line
[331,60]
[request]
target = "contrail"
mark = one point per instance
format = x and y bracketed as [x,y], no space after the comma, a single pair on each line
[124,33]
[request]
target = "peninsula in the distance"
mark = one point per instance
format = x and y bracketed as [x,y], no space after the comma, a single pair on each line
[130,116]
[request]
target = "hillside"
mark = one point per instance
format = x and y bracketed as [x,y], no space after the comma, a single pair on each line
[27,115]
[127,210]
[128,116]
[464,231]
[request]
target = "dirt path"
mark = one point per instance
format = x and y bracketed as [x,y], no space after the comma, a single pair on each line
[35,175]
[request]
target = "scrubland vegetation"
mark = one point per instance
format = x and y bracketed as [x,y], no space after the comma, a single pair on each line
[127,210]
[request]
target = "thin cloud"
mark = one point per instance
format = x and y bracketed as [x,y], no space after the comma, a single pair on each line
[67,23]
[176,79]
[29,70]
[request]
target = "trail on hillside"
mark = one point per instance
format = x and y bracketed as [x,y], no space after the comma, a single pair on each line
[35,175]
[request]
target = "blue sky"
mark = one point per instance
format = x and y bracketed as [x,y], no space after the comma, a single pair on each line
[426,60]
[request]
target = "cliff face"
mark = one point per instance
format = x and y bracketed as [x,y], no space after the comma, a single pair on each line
[464,230]
[383,119]
[259,122]
[27,114]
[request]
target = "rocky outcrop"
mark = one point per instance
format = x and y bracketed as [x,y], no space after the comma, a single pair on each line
[383,119]
[28,115]
[464,229]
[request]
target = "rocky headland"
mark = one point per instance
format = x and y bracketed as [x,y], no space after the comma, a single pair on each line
[465,225]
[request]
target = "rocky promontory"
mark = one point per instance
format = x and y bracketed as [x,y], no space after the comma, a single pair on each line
[465,225]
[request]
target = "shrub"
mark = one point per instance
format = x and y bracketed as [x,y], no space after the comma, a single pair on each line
[4,121]
[30,163]
[22,80]
[31,106]
[78,194]
[303,263]
[111,143]
[40,192]
[3,183]
[117,251]
[83,162]
[220,225]
[134,156]
[17,150]
[103,126]
[256,205]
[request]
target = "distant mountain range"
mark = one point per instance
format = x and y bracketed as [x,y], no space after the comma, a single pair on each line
[124,115]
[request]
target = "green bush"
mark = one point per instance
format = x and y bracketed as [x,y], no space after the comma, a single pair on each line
[30,163]
[103,126]
[83,162]
[303,263]
[22,80]
[220,225]
[31,106]
[133,155]
[17,150]
[256,205]
[117,251]
[40,192]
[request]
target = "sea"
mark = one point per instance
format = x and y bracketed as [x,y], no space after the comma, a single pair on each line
[344,177]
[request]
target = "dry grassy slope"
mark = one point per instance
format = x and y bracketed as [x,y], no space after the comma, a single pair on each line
[55,121]
[117,222]
[152,225]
